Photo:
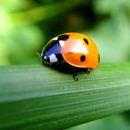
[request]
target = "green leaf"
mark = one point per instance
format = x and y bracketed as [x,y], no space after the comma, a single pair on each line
[37,97]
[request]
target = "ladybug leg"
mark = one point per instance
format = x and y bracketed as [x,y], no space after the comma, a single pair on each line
[88,71]
[75,76]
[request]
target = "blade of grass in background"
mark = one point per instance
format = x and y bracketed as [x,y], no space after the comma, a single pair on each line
[36,97]
[46,12]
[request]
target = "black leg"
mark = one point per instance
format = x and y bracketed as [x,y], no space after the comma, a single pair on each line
[88,71]
[75,76]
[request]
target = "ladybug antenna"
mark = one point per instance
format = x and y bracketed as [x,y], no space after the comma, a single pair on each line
[38,54]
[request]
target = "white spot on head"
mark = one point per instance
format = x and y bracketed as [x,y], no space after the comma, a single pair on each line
[61,43]
[45,57]
[53,58]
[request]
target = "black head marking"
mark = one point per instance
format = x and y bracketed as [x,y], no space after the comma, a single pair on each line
[86,41]
[82,58]
[63,37]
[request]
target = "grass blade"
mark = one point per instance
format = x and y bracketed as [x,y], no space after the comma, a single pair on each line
[37,97]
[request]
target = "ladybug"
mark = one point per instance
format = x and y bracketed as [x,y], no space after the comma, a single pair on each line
[71,53]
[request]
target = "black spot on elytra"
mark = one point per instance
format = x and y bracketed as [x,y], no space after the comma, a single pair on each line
[82,58]
[86,41]
[63,37]
[98,58]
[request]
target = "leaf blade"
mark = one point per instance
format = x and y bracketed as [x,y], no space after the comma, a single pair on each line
[36,97]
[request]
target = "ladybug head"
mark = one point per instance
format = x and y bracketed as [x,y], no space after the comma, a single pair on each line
[49,59]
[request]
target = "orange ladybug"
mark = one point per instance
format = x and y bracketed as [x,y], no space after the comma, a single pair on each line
[71,52]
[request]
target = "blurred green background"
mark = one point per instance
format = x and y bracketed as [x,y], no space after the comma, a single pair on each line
[26,25]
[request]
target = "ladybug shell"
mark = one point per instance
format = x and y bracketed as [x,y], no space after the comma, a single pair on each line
[80,51]
[73,50]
